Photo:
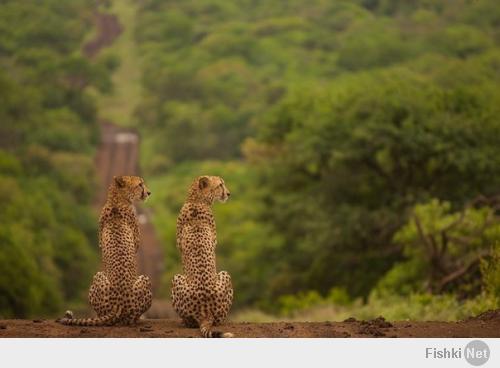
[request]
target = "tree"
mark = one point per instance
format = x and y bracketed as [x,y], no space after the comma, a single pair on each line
[448,247]
[345,165]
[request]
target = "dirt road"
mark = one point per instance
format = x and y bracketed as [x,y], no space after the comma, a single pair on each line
[486,325]
[107,29]
[118,154]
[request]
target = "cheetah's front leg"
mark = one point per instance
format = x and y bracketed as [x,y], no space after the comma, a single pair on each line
[224,297]
[181,301]
[143,297]
[99,294]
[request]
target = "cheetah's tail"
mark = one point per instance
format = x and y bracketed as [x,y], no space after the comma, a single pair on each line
[106,320]
[206,331]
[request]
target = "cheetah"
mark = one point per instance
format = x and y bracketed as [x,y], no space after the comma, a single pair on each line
[201,296]
[118,294]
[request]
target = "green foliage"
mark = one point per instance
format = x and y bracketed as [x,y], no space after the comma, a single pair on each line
[47,137]
[213,70]
[464,41]
[288,305]
[490,269]
[424,306]
[350,117]
[386,48]
[404,278]
[335,125]
[443,249]
[303,300]
[346,163]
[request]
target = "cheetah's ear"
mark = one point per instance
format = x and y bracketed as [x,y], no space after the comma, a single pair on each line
[203,182]
[119,181]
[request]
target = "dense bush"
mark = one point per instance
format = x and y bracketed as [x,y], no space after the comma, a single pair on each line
[355,157]
[48,132]
[351,116]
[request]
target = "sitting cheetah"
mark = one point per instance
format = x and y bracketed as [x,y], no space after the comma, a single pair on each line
[118,294]
[201,296]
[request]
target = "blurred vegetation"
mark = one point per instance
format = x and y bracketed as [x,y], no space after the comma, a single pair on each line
[356,138]
[125,68]
[359,140]
[48,132]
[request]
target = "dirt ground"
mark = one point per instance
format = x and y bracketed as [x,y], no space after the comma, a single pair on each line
[108,29]
[483,326]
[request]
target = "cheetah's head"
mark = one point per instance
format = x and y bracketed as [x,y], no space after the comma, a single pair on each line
[209,189]
[132,188]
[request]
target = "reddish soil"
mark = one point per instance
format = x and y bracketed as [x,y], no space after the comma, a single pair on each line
[108,29]
[481,327]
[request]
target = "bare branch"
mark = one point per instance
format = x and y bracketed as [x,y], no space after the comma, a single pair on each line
[461,271]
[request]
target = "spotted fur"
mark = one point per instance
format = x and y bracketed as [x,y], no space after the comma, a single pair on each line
[118,294]
[201,296]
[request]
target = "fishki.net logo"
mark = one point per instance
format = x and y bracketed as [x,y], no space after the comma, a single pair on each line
[476,353]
